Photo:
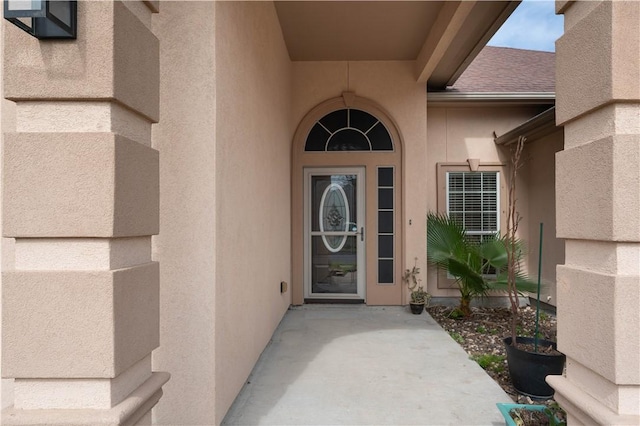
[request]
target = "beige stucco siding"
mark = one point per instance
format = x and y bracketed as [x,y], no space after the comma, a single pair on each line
[539,175]
[7,124]
[185,247]
[456,134]
[393,87]
[252,186]
[224,184]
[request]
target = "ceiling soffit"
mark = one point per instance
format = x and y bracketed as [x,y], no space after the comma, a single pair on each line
[355,30]
[441,36]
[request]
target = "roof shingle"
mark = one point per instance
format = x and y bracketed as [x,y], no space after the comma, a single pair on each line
[508,70]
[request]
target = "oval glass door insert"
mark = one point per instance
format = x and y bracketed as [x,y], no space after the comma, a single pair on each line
[334,217]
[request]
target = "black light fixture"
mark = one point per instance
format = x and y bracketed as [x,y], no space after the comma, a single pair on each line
[43,19]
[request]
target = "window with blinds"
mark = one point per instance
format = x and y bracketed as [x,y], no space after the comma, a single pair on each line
[473,201]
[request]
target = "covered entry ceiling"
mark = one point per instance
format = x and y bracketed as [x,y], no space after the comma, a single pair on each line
[441,36]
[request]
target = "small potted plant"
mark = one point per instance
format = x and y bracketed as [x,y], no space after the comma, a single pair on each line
[528,414]
[419,297]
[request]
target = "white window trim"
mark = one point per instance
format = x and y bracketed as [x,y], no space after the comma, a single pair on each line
[498,195]
[445,281]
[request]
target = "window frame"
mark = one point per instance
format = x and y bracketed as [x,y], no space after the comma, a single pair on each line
[445,281]
[331,133]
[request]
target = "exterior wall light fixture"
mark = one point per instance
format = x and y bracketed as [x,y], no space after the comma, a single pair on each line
[43,19]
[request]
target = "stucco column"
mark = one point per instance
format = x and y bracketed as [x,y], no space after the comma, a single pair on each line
[80,305]
[598,205]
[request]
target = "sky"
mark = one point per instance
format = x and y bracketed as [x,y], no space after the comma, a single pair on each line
[533,25]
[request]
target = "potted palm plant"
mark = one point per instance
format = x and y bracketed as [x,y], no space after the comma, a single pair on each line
[419,297]
[530,359]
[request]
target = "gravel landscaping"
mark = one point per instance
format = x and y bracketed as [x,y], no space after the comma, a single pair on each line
[481,336]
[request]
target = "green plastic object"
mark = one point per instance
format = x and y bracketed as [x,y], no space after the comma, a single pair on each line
[538,299]
[506,407]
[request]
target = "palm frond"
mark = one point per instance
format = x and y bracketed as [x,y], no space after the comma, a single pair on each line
[445,239]
[523,283]
[449,248]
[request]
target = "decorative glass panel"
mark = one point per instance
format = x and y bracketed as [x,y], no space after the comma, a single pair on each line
[385,271]
[317,138]
[333,203]
[386,216]
[385,222]
[335,120]
[385,246]
[385,198]
[385,176]
[348,140]
[380,138]
[361,120]
[349,130]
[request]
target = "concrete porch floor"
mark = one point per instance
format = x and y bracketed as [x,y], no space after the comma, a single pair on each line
[357,365]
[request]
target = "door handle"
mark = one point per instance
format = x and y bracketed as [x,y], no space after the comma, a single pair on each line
[361,233]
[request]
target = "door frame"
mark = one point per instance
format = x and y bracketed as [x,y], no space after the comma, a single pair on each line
[361,276]
[376,293]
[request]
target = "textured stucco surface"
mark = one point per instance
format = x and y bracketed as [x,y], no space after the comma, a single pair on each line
[48,254]
[618,118]
[456,134]
[7,124]
[48,192]
[392,86]
[54,328]
[104,63]
[539,190]
[373,292]
[615,355]
[597,200]
[225,170]
[185,137]
[224,183]
[596,189]
[253,140]
[85,116]
[608,66]
[80,312]
[134,407]
[38,394]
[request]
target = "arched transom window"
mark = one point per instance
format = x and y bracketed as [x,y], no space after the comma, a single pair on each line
[349,130]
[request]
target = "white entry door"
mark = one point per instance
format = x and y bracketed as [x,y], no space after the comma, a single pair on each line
[334,233]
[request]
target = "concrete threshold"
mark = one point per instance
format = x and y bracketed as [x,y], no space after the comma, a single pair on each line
[362,365]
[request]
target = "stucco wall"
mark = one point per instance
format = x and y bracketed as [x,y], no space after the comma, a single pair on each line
[392,86]
[7,124]
[539,175]
[252,185]
[185,247]
[456,134]
[224,245]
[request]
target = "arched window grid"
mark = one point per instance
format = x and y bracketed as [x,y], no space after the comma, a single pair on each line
[326,145]
[376,141]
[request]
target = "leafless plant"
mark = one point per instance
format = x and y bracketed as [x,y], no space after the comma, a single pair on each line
[513,219]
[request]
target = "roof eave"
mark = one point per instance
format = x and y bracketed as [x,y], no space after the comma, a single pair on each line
[450,96]
[475,28]
[536,127]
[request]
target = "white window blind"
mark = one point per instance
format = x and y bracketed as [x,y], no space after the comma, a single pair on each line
[472,201]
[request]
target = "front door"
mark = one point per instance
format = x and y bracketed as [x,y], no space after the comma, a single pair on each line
[334,233]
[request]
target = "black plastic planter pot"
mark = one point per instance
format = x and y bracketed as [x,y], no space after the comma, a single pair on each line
[528,369]
[417,308]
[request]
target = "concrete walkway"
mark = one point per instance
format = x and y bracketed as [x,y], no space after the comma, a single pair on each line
[360,365]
